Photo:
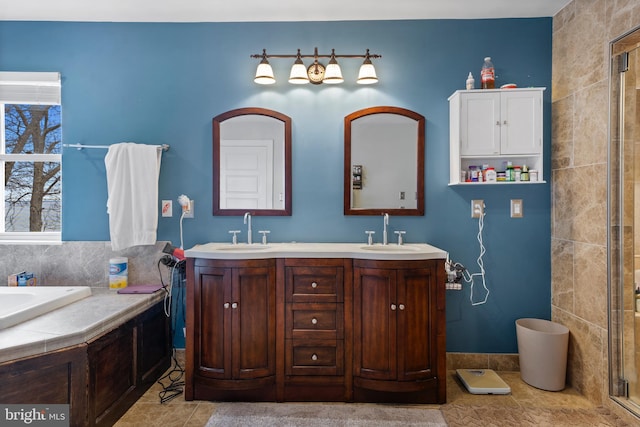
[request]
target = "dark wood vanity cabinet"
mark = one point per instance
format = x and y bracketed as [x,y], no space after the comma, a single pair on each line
[398,332]
[231,342]
[315,329]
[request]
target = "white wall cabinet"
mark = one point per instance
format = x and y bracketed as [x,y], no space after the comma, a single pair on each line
[492,127]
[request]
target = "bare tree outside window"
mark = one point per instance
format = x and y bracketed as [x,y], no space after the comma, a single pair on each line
[32,187]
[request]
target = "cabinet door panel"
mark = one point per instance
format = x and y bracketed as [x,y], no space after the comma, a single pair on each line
[375,323]
[480,124]
[521,123]
[416,324]
[253,322]
[215,323]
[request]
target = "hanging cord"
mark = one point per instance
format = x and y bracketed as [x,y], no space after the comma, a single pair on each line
[176,383]
[175,386]
[469,277]
[181,218]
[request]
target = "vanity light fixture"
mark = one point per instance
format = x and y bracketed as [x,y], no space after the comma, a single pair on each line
[316,73]
[367,74]
[264,73]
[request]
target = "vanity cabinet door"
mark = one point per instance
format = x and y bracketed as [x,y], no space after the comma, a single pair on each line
[231,310]
[416,321]
[375,323]
[397,348]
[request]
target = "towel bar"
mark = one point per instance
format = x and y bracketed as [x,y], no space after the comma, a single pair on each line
[164,147]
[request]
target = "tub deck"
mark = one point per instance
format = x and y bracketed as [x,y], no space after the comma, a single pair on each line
[76,323]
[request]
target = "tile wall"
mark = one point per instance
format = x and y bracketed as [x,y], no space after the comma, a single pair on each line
[582,32]
[81,263]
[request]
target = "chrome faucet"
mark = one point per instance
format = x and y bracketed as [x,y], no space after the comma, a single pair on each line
[384,229]
[247,220]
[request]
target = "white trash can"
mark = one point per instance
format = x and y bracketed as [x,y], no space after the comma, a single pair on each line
[542,349]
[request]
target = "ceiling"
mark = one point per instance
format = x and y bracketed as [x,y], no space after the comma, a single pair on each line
[274,10]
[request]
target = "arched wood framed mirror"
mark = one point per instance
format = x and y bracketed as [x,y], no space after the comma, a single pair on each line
[252,162]
[384,162]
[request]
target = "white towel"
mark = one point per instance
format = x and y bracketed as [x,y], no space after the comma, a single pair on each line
[132,184]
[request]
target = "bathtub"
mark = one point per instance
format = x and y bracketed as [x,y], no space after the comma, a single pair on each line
[21,303]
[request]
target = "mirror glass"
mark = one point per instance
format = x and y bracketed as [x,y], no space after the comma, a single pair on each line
[384,162]
[252,162]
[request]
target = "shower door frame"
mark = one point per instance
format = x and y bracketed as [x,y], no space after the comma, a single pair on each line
[621,249]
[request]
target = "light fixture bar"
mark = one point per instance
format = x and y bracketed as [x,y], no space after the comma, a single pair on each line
[264,74]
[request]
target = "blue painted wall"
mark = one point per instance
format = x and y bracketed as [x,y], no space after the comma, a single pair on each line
[162,83]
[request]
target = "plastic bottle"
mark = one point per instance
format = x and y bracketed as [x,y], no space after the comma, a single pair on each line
[487,74]
[470,82]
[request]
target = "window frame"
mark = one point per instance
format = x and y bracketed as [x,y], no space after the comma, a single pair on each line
[28,88]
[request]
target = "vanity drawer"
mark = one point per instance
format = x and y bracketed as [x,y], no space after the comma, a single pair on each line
[314,283]
[315,357]
[314,321]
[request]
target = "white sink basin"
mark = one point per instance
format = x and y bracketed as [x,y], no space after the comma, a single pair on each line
[242,251]
[242,248]
[389,248]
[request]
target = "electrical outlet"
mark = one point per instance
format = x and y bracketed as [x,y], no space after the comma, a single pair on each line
[188,213]
[516,208]
[477,208]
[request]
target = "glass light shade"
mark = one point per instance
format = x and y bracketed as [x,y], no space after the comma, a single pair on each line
[264,73]
[333,73]
[367,74]
[298,75]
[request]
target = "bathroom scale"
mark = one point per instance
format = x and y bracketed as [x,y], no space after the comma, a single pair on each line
[482,381]
[140,289]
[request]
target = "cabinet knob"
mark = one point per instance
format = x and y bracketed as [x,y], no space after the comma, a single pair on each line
[314,285]
[234,305]
[401,306]
[393,307]
[504,123]
[497,122]
[226,305]
[314,357]
[314,321]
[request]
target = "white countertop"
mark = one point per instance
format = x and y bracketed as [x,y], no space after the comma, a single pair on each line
[409,251]
[73,324]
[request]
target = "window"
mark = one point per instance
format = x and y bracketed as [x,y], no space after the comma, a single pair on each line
[30,157]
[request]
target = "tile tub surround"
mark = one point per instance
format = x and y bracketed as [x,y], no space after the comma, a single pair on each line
[81,263]
[73,324]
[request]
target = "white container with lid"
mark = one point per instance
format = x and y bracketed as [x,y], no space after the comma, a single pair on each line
[118,273]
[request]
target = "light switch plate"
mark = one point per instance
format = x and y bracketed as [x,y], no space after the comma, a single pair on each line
[516,208]
[167,208]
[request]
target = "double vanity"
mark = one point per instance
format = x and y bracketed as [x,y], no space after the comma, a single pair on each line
[352,322]
[316,322]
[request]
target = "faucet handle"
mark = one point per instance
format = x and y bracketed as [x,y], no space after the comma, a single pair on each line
[370,238]
[400,233]
[264,236]
[234,239]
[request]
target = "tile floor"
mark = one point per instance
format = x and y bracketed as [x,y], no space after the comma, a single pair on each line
[525,406]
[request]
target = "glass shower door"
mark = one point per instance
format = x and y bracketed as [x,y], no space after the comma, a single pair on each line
[624,214]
